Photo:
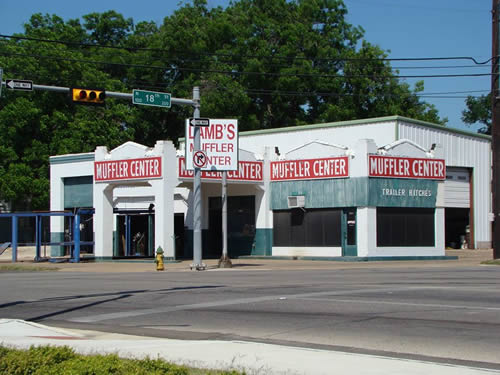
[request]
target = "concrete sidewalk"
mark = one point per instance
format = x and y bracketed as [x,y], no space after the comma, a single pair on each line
[254,358]
[466,258]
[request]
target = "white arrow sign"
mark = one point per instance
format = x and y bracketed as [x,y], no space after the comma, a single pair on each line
[199,121]
[17,84]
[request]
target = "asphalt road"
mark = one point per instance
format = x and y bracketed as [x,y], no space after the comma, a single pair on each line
[444,314]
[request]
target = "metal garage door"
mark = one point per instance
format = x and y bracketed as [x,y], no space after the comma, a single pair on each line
[457,188]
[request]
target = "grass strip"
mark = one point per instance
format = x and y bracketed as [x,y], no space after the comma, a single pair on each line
[52,360]
[492,261]
[25,268]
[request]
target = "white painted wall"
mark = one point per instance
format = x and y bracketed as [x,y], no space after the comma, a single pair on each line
[342,133]
[60,169]
[136,194]
[307,251]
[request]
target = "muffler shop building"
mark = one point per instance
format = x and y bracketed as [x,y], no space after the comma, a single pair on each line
[384,187]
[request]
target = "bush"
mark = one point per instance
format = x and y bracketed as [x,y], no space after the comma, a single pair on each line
[50,360]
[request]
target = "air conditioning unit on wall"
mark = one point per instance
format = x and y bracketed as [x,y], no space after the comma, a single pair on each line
[296,201]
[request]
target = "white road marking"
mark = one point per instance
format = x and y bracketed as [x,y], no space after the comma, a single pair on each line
[236,301]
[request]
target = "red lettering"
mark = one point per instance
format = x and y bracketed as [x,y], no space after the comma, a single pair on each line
[230,131]
[219,131]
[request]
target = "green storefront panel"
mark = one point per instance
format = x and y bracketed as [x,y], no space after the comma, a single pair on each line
[78,192]
[393,192]
[348,192]
[356,192]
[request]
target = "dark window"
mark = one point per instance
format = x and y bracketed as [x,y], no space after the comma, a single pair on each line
[296,227]
[240,225]
[405,226]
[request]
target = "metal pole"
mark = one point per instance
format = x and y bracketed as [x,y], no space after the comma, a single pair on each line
[38,238]
[76,238]
[14,238]
[109,94]
[495,130]
[224,262]
[197,209]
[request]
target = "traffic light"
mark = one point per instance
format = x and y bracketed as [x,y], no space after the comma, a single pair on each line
[88,96]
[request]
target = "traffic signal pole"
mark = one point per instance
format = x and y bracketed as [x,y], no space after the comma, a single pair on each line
[195,103]
[197,209]
[109,94]
[495,129]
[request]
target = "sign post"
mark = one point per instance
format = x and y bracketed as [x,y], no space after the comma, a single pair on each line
[218,147]
[197,214]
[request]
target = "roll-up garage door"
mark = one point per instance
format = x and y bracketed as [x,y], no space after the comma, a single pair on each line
[457,188]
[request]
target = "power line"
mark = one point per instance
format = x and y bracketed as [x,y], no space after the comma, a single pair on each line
[194,60]
[240,73]
[160,86]
[399,5]
[469,58]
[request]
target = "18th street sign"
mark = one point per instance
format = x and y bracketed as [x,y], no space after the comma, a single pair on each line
[156,99]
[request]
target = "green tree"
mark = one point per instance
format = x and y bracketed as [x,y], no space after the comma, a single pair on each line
[269,63]
[39,124]
[478,111]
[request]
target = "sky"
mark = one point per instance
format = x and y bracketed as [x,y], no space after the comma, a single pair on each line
[403,28]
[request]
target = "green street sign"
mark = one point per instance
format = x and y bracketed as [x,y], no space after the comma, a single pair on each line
[157,99]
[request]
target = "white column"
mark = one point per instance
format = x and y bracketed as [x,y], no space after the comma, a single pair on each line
[439,231]
[103,220]
[164,199]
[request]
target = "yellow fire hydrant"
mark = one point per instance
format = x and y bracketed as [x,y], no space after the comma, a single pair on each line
[159,259]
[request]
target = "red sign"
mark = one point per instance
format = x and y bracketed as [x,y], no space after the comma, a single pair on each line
[308,169]
[401,167]
[199,159]
[128,169]
[247,171]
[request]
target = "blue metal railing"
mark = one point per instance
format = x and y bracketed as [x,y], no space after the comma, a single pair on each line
[76,243]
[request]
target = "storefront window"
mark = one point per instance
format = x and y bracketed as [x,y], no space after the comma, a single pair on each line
[310,227]
[405,226]
[240,225]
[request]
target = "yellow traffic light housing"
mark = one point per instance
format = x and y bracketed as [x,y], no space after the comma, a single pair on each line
[88,96]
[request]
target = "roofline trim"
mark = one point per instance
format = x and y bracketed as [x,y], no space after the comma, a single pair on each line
[72,158]
[395,118]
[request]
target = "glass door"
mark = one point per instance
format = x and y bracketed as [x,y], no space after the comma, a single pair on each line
[349,243]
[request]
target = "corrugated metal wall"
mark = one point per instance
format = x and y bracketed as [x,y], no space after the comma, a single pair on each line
[461,150]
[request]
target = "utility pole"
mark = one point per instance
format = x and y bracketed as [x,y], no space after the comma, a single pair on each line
[495,129]
[197,208]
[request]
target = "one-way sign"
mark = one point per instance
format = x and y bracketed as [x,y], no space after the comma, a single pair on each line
[199,121]
[18,84]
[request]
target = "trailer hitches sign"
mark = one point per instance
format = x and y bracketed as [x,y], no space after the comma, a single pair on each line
[128,169]
[401,167]
[307,169]
[218,141]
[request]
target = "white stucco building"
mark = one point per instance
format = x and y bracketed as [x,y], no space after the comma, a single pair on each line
[378,188]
